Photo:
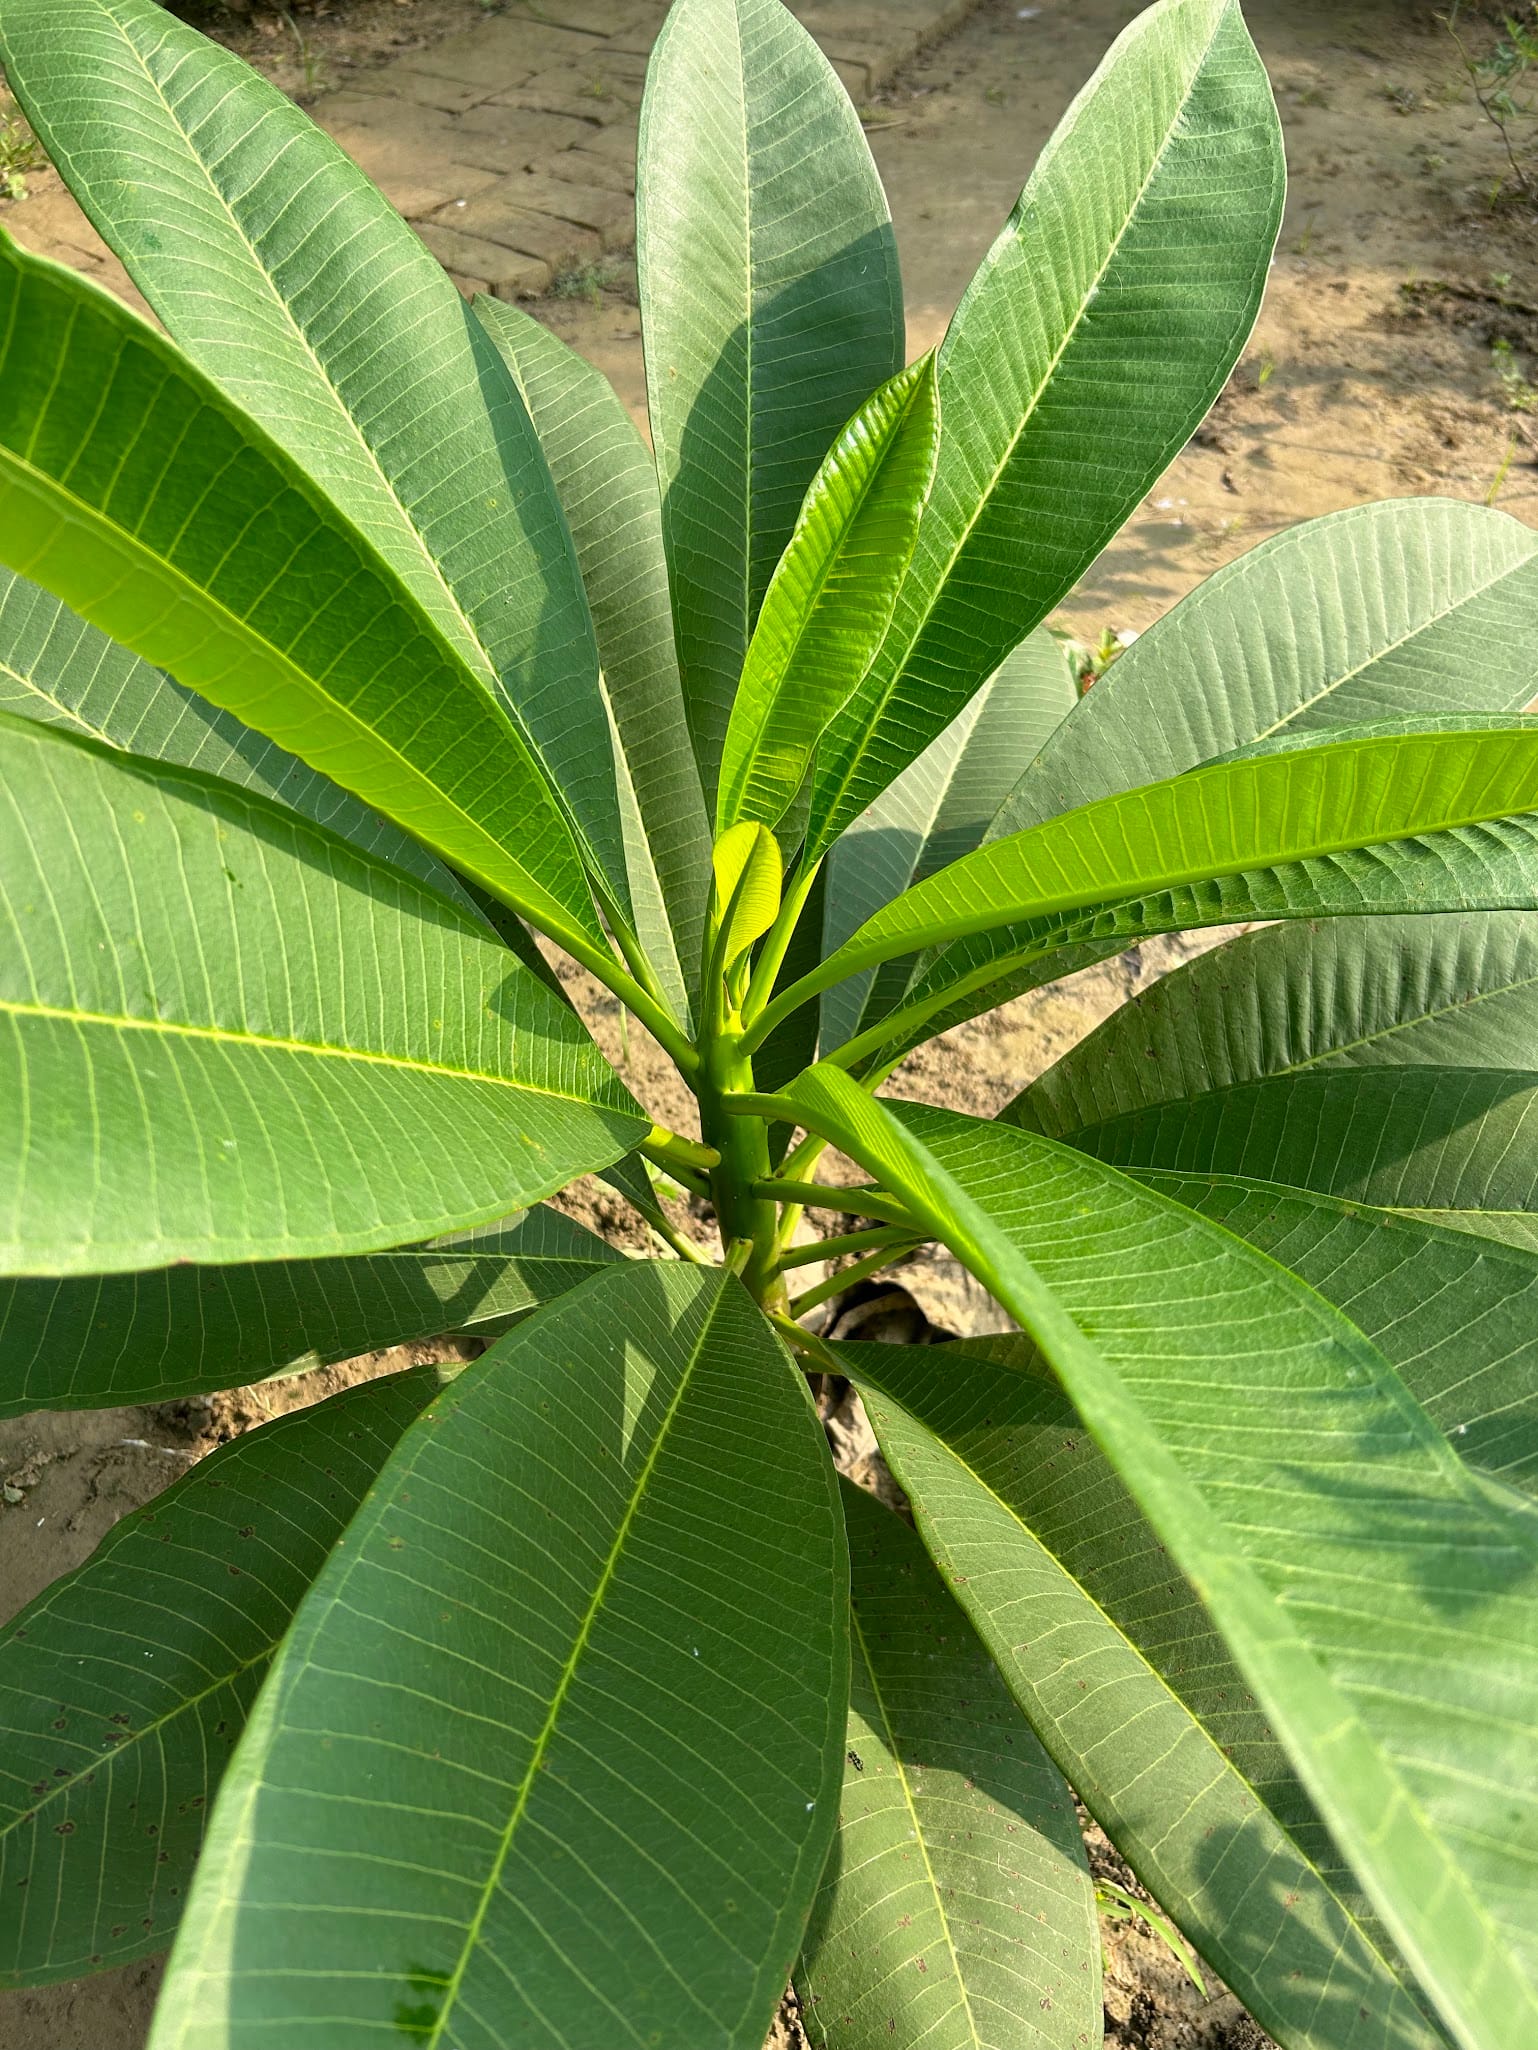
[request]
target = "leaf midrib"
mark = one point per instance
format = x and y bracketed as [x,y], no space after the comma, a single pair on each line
[569,1667]
[895,1754]
[1077,925]
[1136,889]
[746,785]
[183,1706]
[1305,1065]
[1426,625]
[1058,1329]
[275,1042]
[76,723]
[1427,1017]
[984,497]
[1425,1220]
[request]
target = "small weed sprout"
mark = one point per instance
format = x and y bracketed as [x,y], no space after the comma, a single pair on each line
[1496,78]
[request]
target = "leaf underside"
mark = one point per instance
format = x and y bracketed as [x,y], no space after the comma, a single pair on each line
[124,1687]
[1369,1614]
[292,282]
[581,1669]
[956,1910]
[97,1341]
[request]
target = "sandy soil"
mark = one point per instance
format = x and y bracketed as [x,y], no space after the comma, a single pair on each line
[1371,375]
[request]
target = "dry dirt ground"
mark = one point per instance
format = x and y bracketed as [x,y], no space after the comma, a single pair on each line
[1392,358]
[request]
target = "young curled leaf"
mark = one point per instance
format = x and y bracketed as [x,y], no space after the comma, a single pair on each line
[746,865]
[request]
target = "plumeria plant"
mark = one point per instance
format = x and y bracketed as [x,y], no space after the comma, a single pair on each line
[356,653]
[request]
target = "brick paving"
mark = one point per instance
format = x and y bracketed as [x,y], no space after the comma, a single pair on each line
[510,145]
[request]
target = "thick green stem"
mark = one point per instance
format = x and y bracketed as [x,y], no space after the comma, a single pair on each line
[743,1144]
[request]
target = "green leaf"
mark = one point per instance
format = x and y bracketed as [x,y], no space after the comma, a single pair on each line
[581,1667]
[124,1687]
[1260,812]
[1376,1595]
[93,1342]
[830,600]
[746,866]
[1294,999]
[1102,325]
[56,669]
[1452,1145]
[607,482]
[230,1035]
[134,490]
[299,290]
[956,1910]
[1456,1315]
[1417,606]
[1377,729]
[1489,867]
[1112,1658]
[938,809]
[771,307]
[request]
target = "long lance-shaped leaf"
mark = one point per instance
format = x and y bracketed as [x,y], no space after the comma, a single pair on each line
[1453,1317]
[1452,1144]
[93,1342]
[1336,621]
[297,288]
[956,1910]
[1377,1597]
[134,490]
[1416,605]
[830,600]
[1260,812]
[1455,1314]
[1376,729]
[229,1035]
[938,809]
[771,308]
[1137,1699]
[1490,867]
[607,482]
[1295,999]
[56,669]
[124,1687]
[1102,325]
[569,1707]
[1480,868]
